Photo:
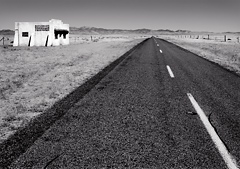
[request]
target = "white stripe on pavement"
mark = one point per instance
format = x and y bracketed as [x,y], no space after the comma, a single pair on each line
[160,51]
[170,72]
[157,44]
[229,160]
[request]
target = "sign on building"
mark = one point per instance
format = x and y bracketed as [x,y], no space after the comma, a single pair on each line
[41,27]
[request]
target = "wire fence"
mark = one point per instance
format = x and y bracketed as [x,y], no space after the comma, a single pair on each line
[218,38]
[6,40]
[93,38]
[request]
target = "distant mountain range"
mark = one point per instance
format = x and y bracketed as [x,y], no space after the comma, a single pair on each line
[101,31]
[94,30]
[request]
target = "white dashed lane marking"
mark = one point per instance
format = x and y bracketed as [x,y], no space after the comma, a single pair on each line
[170,72]
[229,160]
[160,51]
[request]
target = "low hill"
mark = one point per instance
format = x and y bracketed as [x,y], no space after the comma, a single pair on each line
[6,32]
[95,31]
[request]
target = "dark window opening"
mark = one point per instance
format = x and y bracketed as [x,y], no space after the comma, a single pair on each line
[24,34]
[60,32]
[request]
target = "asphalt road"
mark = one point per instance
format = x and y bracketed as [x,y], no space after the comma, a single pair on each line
[138,116]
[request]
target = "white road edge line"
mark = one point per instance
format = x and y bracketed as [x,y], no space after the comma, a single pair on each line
[170,72]
[229,160]
[160,51]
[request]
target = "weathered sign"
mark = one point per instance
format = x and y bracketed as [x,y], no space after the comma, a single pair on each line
[41,27]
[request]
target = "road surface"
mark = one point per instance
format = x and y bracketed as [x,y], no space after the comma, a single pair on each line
[140,115]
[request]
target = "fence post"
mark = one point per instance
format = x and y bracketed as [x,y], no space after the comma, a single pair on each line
[3,41]
[238,39]
[225,38]
[208,37]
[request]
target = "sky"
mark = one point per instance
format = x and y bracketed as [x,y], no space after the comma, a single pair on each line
[194,15]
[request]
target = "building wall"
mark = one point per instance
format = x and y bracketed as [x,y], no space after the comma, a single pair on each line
[60,28]
[41,33]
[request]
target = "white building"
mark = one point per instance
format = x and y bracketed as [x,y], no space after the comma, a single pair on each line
[52,33]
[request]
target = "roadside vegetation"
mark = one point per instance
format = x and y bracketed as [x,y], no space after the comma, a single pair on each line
[226,54]
[34,78]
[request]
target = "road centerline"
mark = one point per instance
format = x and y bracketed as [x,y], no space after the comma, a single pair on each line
[230,162]
[170,72]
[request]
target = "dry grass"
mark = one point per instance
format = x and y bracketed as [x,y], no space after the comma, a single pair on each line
[226,54]
[34,78]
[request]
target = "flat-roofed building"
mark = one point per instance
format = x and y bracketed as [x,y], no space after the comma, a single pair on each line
[52,33]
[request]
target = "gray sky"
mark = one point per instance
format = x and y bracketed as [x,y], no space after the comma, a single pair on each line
[195,15]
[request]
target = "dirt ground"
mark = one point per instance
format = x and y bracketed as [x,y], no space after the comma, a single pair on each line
[34,78]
